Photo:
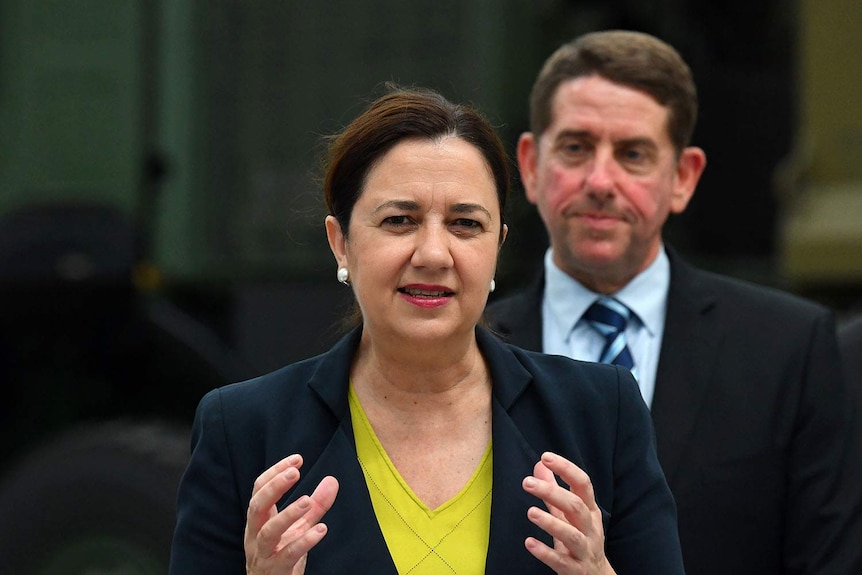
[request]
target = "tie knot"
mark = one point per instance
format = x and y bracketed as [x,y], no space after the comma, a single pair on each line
[608,315]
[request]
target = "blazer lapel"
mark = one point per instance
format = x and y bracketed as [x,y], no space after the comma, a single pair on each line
[519,319]
[514,459]
[688,353]
[353,528]
[353,514]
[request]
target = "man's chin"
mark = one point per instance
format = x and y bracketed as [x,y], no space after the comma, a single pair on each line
[599,257]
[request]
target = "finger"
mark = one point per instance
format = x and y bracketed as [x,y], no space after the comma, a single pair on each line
[579,482]
[325,493]
[563,532]
[561,503]
[301,515]
[542,473]
[294,552]
[577,479]
[557,562]
[294,460]
[261,506]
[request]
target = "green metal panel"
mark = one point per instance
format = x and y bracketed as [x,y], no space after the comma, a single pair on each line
[831,74]
[177,245]
[248,91]
[820,243]
[69,100]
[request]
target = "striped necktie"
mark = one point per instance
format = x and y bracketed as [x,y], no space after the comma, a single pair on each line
[609,317]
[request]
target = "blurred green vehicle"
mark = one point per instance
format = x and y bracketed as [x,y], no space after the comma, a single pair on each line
[161,234]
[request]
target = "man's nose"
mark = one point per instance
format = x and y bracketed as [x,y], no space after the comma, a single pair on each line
[600,178]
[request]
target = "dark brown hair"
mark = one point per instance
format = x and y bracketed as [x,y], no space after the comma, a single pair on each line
[401,114]
[631,59]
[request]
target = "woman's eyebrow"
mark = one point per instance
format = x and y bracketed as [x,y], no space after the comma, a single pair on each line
[468,208]
[404,205]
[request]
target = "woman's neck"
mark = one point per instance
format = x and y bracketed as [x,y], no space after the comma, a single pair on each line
[422,378]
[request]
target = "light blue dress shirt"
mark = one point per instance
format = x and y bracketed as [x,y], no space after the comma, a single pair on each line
[564,332]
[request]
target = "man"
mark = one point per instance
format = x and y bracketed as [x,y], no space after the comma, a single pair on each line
[744,383]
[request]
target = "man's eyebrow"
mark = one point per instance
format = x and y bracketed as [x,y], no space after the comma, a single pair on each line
[647,142]
[644,141]
[404,205]
[571,134]
[467,208]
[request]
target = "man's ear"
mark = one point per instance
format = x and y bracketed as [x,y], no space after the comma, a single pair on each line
[689,167]
[527,156]
[337,240]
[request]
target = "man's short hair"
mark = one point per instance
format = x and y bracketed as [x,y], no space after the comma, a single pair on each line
[632,59]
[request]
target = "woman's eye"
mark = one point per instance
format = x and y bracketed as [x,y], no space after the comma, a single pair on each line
[467,226]
[396,221]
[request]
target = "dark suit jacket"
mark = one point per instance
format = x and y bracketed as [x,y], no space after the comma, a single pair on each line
[751,421]
[589,413]
[850,340]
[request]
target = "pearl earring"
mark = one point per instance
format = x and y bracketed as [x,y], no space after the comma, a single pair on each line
[343,276]
[493,285]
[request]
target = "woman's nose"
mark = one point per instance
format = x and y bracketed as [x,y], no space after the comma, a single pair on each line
[432,249]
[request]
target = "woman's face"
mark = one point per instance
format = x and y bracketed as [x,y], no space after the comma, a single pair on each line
[423,240]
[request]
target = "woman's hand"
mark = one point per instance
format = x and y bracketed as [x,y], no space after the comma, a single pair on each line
[278,542]
[573,519]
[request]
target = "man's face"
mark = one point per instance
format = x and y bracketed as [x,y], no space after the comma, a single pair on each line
[605,176]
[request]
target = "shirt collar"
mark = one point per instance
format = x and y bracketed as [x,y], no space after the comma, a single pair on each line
[645,295]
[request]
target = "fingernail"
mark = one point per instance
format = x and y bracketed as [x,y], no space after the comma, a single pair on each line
[529,482]
[303,502]
[548,456]
[291,473]
[294,459]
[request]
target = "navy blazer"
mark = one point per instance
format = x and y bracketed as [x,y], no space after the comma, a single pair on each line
[752,424]
[589,413]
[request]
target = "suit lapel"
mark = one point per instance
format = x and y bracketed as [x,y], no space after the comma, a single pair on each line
[688,354]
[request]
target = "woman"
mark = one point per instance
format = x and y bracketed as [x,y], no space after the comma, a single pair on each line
[420,443]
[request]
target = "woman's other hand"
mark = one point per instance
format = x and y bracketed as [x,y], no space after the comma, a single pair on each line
[573,519]
[278,542]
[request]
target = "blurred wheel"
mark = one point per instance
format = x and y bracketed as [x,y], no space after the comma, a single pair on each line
[99,500]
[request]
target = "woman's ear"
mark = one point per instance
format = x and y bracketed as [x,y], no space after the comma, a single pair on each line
[337,240]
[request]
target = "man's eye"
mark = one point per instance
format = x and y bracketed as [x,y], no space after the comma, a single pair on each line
[635,156]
